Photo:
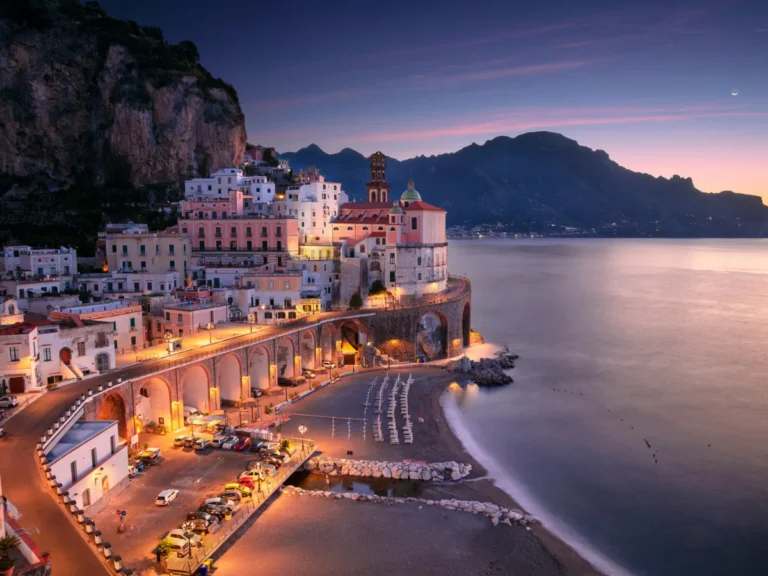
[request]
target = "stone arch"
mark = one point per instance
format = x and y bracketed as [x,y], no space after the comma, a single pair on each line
[258,368]
[353,335]
[432,335]
[328,337]
[373,196]
[65,355]
[230,382]
[465,326]
[113,407]
[307,346]
[286,354]
[153,403]
[195,383]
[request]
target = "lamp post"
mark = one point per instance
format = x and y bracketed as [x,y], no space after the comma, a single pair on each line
[210,332]
[302,429]
[251,320]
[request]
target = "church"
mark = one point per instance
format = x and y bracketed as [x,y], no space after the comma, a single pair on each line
[400,242]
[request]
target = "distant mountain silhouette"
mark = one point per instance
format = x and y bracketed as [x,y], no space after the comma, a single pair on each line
[542,179]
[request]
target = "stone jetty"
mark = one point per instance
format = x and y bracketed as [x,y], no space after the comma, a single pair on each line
[382,469]
[496,514]
[486,371]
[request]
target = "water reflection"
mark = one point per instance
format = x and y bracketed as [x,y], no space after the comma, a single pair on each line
[378,486]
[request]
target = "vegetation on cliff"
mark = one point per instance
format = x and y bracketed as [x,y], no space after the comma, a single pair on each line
[101,119]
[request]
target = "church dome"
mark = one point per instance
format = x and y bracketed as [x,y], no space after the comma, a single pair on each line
[396,209]
[410,195]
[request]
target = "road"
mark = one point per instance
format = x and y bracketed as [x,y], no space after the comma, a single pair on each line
[22,482]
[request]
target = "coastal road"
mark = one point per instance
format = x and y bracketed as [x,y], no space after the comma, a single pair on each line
[21,479]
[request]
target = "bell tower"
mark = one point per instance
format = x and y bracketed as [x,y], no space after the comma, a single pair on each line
[378,187]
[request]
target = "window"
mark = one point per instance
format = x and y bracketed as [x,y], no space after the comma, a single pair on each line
[419,275]
[249,245]
[279,245]
[133,324]
[264,245]
[418,261]
[149,285]
[167,316]
[248,232]
[113,443]
[218,232]
[172,249]
[133,338]
[73,469]
[287,285]
[365,227]
[271,284]
[125,250]
[81,348]
[13,351]
[263,231]
[114,248]
[93,457]
[179,319]
[47,354]
[392,276]
[233,232]
[142,250]
[391,257]
[414,223]
[136,287]
[172,264]
[201,232]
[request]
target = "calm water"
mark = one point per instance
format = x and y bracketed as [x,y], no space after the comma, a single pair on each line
[623,342]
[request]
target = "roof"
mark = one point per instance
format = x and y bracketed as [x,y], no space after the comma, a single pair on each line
[423,206]
[366,206]
[81,432]
[20,328]
[410,194]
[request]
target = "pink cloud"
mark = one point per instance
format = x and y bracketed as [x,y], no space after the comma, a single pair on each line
[313,98]
[520,70]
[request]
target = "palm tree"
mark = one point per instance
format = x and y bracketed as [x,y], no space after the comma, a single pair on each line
[7,545]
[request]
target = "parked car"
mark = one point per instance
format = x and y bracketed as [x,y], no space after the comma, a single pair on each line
[287,382]
[190,413]
[8,401]
[222,503]
[327,364]
[217,511]
[243,444]
[202,443]
[153,453]
[308,374]
[244,490]
[218,439]
[200,515]
[270,469]
[257,392]
[247,482]
[276,462]
[133,471]
[199,525]
[179,440]
[189,441]
[179,547]
[229,442]
[265,446]
[137,462]
[282,456]
[166,497]
[2,432]
[177,534]
[232,495]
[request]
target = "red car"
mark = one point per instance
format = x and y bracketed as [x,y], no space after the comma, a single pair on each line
[246,481]
[244,444]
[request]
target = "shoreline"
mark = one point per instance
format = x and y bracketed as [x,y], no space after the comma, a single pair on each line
[436,441]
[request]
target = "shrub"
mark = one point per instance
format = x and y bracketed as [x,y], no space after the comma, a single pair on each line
[164,547]
[285,445]
[355,302]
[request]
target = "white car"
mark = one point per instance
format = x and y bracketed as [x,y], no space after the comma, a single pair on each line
[9,401]
[223,502]
[327,364]
[166,497]
[181,536]
[218,439]
[229,442]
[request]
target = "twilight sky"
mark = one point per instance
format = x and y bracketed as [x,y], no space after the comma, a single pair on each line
[650,83]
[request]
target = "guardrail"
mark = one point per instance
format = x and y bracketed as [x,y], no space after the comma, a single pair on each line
[197,556]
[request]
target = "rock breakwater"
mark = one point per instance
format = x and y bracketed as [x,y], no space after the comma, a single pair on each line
[383,469]
[486,371]
[496,514]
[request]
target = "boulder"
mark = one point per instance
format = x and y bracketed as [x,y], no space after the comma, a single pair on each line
[455,475]
[396,473]
[494,520]
[425,474]
[414,475]
[387,473]
[376,473]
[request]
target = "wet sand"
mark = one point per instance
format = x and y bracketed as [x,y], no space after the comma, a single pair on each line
[434,441]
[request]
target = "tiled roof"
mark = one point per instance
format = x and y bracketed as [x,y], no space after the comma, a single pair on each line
[423,206]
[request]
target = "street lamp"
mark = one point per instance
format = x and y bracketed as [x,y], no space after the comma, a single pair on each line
[210,332]
[251,320]
[302,429]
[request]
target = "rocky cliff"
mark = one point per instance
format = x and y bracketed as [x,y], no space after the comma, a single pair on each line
[88,98]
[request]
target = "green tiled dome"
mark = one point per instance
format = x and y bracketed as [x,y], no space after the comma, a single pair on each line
[410,195]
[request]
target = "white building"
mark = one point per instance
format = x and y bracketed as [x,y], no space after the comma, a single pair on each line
[127,284]
[315,204]
[19,346]
[72,348]
[123,315]
[40,262]
[90,460]
[220,183]
[186,318]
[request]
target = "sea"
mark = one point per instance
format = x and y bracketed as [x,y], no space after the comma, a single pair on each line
[636,428]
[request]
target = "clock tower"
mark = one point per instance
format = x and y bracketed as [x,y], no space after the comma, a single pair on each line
[378,187]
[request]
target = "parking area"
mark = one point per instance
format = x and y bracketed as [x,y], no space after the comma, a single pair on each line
[196,475]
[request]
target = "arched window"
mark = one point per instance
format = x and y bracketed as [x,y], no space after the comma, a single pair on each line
[102,362]
[336,228]
[349,227]
[143,392]
[381,228]
[365,227]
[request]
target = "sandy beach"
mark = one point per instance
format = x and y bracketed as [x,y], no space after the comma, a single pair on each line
[313,535]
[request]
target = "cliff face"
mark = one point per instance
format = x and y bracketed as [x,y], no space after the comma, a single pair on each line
[85,97]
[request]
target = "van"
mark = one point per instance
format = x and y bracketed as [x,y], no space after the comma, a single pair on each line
[190,412]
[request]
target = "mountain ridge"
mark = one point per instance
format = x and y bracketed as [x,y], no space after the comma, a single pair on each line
[540,180]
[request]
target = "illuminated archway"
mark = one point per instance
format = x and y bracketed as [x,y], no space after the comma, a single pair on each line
[230,381]
[259,368]
[153,403]
[285,357]
[465,327]
[196,383]
[113,408]
[328,342]
[432,336]
[308,350]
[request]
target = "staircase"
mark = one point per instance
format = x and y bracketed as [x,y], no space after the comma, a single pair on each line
[69,373]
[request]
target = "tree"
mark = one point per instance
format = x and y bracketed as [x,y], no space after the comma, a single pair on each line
[164,547]
[377,287]
[188,50]
[355,302]
[7,544]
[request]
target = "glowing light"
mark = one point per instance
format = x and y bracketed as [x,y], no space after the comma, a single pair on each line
[735,92]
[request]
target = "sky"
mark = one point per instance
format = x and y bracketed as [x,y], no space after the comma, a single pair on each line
[650,83]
